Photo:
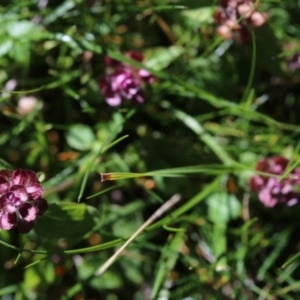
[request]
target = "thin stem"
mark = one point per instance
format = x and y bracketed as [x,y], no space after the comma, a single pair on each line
[166,206]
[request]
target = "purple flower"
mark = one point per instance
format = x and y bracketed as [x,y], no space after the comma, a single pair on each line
[123,81]
[270,190]
[20,200]
[236,17]
[294,62]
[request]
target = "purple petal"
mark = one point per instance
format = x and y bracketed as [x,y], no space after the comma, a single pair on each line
[8,220]
[4,184]
[114,101]
[29,180]
[292,202]
[135,55]
[277,164]
[35,190]
[3,201]
[255,183]
[19,192]
[266,198]
[42,205]
[119,79]
[111,62]
[287,189]
[24,226]
[28,212]
[146,76]
[24,177]
[139,97]
[296,175]
[10,202]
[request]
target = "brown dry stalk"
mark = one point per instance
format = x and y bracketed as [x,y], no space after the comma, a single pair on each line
[159,212]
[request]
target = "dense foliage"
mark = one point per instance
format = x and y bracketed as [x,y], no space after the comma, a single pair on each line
[116,106]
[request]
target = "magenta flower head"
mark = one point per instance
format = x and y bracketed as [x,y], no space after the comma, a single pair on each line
[236,17]
[124,82]
[20,200]
[272,191]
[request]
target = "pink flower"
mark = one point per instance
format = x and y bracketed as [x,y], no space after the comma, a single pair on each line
[20,200]
[270,190]
[123,81]
[236,17]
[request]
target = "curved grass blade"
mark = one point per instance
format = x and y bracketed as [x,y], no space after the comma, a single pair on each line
[177,172]
[172,229]
[279,244]
[246,98]
[291,260]
[35,262]
[167,262]
[95,248]
[10,289]
[104,191]
[9,246]
[211,142]
[182,171]
[212,187]
[52,85]
[76,288]
[115,142]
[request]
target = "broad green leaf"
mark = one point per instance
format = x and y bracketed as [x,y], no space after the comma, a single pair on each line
[223,207]
[80,137]
[201,15]
[109,280]
[5,46]
[67,220]
[20,52]
[59,11]
[10,289]
[21,29]
[4,164]
[159,58]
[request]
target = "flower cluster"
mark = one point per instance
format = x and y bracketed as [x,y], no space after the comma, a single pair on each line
[20,200]
[272,191]
[123,81]
[235,17]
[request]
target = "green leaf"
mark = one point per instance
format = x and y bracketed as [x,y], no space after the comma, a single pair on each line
[59,11]
[20,52]
[5,46]
[67,220]
[159,58]
[80,137]
[21,29]
[109,280]
[5,165]
[223,207]
[167,261]
[200,15]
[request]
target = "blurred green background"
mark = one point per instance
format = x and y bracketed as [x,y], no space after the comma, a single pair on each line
[216,107]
